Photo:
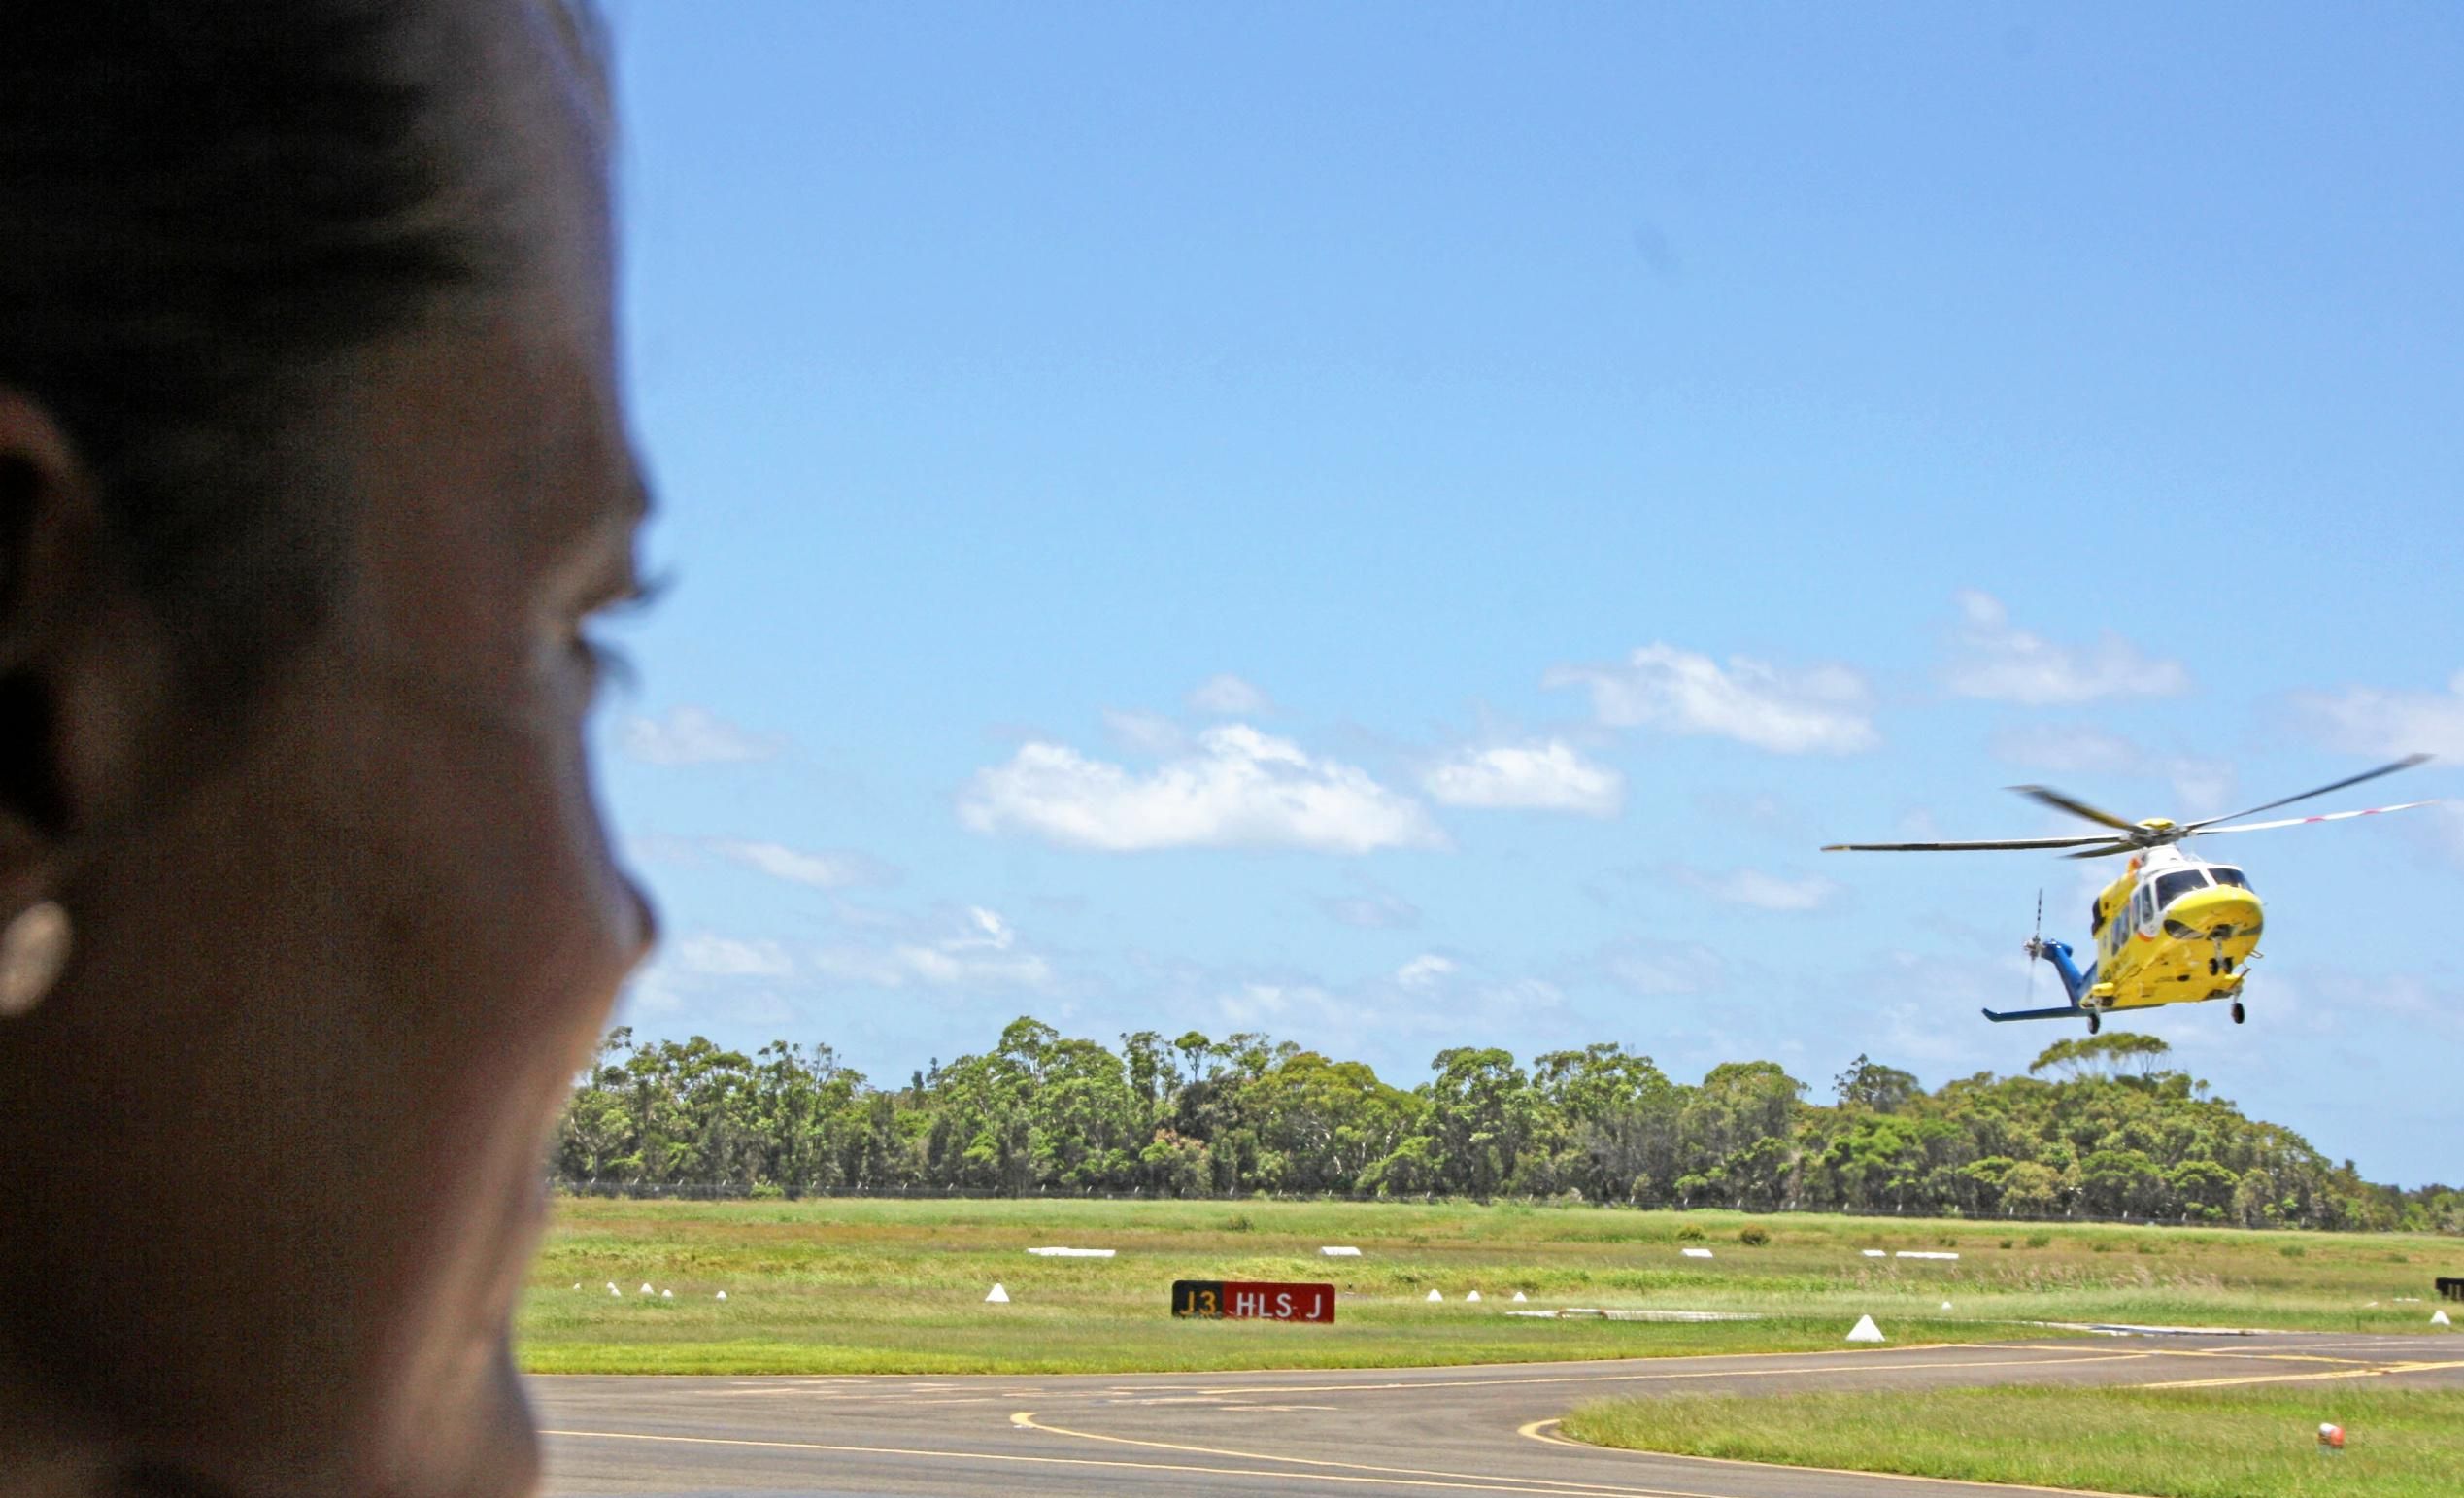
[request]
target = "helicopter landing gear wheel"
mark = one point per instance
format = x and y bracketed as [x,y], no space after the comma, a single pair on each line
[2094,1023]
[2237,1011]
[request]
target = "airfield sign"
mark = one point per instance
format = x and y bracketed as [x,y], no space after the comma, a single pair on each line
[1252,1300]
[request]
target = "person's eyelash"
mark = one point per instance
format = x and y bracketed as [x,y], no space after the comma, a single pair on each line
[610,663]
[609,666]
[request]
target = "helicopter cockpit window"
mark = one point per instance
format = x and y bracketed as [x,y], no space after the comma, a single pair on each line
[2231,876]
[2173,886]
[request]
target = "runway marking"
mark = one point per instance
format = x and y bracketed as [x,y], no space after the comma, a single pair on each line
[1024,1420]
[2383,1371]
[1530,1487]
[1861,1363]
[1537,1428]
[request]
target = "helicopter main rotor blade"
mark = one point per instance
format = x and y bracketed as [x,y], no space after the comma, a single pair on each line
[2075,807]
[1961,847]
[2333,816]
[2111,848]
[2407,763]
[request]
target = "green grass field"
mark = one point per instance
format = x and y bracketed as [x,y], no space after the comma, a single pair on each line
[2234,1443]
[891,1287]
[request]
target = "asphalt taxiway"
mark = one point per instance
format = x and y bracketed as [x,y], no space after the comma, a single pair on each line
[1433,1430]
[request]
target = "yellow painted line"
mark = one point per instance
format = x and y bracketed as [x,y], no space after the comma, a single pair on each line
[1537,1430]
[1495,1485]
[1024,1420]
[2230,1356]
[1186,1386]
[1859,1363]
[2384,1370]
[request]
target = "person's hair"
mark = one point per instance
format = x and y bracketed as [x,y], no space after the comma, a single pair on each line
[202,202]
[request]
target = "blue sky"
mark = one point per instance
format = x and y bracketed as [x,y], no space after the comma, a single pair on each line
[1402,527]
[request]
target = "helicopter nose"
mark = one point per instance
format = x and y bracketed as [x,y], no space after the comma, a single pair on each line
[2220,911]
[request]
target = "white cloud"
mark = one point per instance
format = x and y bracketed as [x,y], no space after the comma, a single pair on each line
[1822,709]
[1997,660]
[724,957]
[1226,696]
[2201,786]
[1238,788]
[1147,733]
[1760,890]
[1446,1004]
[695,735]
[2068,749]
[2371,720]
[976,949]
[1760,810]
[1539,776]
[821,870]
[1660,969]
[1372,912]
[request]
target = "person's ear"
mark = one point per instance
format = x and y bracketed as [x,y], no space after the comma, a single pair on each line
[82,670]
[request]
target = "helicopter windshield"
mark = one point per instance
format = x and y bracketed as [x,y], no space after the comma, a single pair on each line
[2181,881]
[2231,876]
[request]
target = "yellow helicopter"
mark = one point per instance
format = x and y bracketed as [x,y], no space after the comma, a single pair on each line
[2175,928]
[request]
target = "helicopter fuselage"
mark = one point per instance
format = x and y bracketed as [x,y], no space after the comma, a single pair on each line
[2174,929]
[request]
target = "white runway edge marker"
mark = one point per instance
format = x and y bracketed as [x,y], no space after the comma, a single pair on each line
[1340,1252]
[668,1295]
[1473,1296]
[1434,1296]
[723,1295]
[1865,1331]
[1696,1254]
[1072,1253]
[646,1289]
[1520,1296]
[613,1290]
[2438,1318]
[998,1297]
[1946,1304]
[1872,1254]
[1922,1253]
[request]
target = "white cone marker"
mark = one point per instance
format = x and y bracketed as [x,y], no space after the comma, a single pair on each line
[1434,1296]
[613,1290]
[1473,1296]
[998,1297]
[668,1295]
[2438,1318]
[723,1295]
[1865,1331]
[1518,1295]
[646,1289]
[1946,1304]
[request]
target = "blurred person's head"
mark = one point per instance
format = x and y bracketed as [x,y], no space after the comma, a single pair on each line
[312,470]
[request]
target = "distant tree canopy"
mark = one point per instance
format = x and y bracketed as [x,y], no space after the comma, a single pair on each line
[2109,1133]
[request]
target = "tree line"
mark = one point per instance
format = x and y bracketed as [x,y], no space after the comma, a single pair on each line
[2099,1127]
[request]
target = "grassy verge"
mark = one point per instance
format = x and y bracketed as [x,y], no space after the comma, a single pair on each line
[2245,1442]
[893,1286]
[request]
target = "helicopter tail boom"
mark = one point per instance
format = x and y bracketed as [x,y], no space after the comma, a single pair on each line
[2005,1016]
[2073,982]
